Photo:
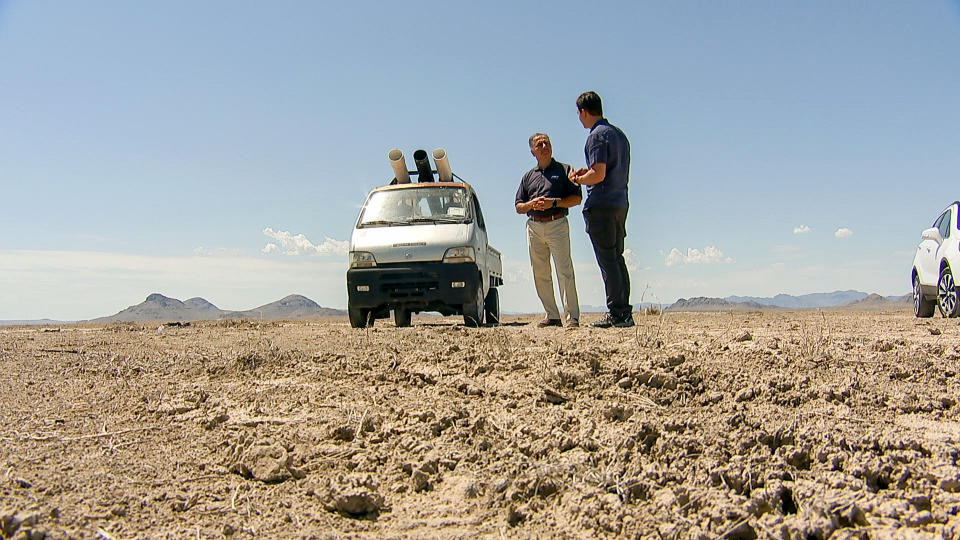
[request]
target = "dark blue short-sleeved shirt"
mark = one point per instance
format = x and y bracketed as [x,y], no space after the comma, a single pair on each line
[552,181]
[607,144]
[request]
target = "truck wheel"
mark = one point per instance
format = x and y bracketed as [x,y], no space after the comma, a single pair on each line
[473,310]
[491,307]
[948,297]
[401,316]
[359,318]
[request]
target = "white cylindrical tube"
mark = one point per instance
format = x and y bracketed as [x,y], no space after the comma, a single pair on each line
[444,173]
[399,166]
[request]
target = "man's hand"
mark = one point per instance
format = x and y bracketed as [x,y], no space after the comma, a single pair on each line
[588,177]
[576,175]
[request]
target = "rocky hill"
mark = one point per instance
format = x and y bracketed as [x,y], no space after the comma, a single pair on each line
[158,307]
[875,302]
[702,303]
[866,302]
[294,306]
[814,300]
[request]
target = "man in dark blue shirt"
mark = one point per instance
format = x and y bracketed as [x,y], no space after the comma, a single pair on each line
[607,152]
[545,194]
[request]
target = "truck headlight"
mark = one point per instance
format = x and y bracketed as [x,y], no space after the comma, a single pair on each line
[459,255]
[362,259]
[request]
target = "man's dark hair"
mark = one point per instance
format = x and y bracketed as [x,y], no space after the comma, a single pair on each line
[589,101]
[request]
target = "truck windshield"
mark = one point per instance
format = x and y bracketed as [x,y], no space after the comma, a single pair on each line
[420,205]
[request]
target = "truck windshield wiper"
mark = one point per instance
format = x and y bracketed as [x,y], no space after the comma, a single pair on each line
[387,222]
[436,219]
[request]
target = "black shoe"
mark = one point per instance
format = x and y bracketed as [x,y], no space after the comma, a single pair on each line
[549,322]
[625,322]
[605,322]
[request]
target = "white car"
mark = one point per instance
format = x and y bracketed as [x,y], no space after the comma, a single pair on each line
[933,277]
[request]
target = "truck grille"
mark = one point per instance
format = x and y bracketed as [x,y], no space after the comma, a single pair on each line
[408,284]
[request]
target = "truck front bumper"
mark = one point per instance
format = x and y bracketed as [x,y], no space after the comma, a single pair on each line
[433,286]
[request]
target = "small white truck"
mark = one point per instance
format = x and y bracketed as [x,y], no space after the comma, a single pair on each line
[420,247]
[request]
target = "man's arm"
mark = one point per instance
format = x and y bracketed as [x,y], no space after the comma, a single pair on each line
[569,201]
[588,177]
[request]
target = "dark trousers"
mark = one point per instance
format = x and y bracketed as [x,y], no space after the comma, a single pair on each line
[607,227]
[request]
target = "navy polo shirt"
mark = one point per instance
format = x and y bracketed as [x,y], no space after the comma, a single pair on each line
[552,181]
[607,144]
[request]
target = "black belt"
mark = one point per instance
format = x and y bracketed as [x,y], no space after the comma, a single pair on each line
[540,218]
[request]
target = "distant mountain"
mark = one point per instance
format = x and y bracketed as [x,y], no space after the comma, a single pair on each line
[881,303]
[158,307]
[862,302]
[31,322]
[289,307]
[702,303]
[815,300]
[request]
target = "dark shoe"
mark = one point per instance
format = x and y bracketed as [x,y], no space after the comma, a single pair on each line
[573,323]
[549,322]
[605,322]
[625,322]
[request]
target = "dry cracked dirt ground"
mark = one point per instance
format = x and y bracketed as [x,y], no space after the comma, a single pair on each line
[749,425]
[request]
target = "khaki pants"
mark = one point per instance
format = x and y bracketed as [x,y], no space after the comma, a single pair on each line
[543,240]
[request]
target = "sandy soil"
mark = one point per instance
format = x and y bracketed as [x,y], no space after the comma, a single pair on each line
[770,425]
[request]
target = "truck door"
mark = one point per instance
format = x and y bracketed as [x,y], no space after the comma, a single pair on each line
[482,261]
[929,259]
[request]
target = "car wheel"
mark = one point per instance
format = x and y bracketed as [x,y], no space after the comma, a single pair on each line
[947,299]
[491,307]
[359,318]
[401,316]
[922,307]
[473,310]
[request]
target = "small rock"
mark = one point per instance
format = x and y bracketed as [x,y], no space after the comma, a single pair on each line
[515,516]
[358,503]
[883,346]
[743,336]
[935,332]
[343,433]
[950,483]
[625,383]
[267,463]
[617,413]
[552,396]
[420,481]
[745,395]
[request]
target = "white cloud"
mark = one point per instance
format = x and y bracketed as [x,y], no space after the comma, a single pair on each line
[709,255]
[843,232]
[298,244]
[633,262]
[801,229]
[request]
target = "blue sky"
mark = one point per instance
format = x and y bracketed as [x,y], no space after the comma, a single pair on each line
[160,147]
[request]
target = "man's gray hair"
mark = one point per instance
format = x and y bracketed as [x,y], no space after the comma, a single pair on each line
[535,135]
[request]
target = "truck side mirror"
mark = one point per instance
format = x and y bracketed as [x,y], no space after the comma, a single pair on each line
[932,233]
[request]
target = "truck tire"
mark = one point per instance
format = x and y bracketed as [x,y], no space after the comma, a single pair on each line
[401,317]
[359,318]
[491,307]
[473,310]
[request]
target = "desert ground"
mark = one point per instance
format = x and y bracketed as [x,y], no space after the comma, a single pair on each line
[773,424]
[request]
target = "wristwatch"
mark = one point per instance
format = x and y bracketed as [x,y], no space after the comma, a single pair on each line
[554,204]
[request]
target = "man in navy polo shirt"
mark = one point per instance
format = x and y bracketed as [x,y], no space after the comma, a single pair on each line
[607,152]
[545,194]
